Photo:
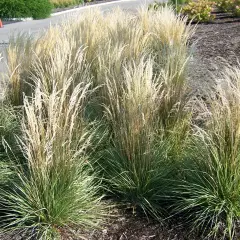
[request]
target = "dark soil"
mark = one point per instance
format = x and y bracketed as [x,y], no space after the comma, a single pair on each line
[124,226]
[216,44]
[128,226]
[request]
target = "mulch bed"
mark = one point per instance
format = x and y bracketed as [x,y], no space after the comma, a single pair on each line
[127,226]
[215,45]
[216,42]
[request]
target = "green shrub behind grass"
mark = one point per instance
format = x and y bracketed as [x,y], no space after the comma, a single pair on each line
[13,9]
[39,8]
[36,9]
[200,11]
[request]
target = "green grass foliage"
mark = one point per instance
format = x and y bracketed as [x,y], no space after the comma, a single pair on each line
[9,127]
[209,194]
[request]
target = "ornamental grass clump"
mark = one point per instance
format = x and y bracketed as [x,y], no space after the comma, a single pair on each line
[55,188]
[209,194]
[25,9]
[137,65]
[200,11]
[145,97]
[144,153]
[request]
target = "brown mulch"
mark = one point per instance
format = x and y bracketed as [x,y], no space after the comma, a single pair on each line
[123,226]
[128,226]
[215,45]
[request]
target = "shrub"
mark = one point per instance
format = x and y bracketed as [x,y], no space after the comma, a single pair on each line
[39,9]
[210,191]
[199,10]
[229,6]
[224,5]
[236,10]
[14,9]
[25,8]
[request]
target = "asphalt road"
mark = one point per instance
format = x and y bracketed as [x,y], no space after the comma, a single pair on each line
[34,27]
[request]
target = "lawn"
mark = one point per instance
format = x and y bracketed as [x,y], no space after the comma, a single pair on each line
[122,126]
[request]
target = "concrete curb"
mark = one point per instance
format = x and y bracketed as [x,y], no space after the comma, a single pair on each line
[18,19]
